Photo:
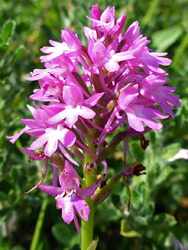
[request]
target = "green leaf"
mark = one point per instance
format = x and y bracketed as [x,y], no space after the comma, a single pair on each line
[141,220]
[18,53]
[15,173]
[163,220]
[3,46]
[165,172]
[136,150]
[18,247]
[163,39]
[135,196]
[5,215]
[170,151]
[110,214]
[8,31]
[3,196]
[93,244]
[62,233]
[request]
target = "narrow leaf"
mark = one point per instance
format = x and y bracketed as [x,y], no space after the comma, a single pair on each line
[93,244]
[8,31]
[163,39]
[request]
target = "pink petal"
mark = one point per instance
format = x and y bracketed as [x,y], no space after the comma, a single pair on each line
[76,222]
[134,121]
[81,207]
[67,176]
[93,100]
[51,145]
[50,190]
[15,137]
[88,191]
[73,95]
[32,154]
[39,142]
[67,137]
[86,113]
[67,208]
[64,152]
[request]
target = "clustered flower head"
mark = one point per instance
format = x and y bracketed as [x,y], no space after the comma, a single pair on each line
[87,92]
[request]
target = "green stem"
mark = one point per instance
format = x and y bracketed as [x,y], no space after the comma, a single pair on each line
[38,227]
[87,226]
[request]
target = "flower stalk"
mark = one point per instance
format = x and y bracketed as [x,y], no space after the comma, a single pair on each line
[87,227]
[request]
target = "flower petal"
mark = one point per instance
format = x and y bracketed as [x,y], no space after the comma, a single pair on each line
[50,190]
[88,191]
[67,208]
[68,178]
[39,142]
[81,206]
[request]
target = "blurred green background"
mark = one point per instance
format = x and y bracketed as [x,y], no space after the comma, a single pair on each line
[158,217]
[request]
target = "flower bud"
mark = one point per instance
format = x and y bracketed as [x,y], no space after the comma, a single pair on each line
[58,159]
[111,105]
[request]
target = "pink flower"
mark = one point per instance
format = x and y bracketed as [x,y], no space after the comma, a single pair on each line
[74,106]
[71,45]
[69,195]
[105,22]
[58,67]
[107,57]
[153,89]
[51,137]
[139,110]
[48,135]
[50,89]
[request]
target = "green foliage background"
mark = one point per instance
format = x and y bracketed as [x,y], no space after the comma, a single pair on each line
[159,207]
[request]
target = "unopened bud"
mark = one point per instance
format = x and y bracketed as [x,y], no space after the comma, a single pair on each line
[121,90]
[58,159]
[111,105]
[99,177]
[87,168]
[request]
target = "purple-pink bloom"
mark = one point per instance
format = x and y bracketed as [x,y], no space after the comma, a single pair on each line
[74,106]
[51,136]
[60,66]
[104,23]
[153,89]
[69,195]
[139,110]
[107,57]
[71,45]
